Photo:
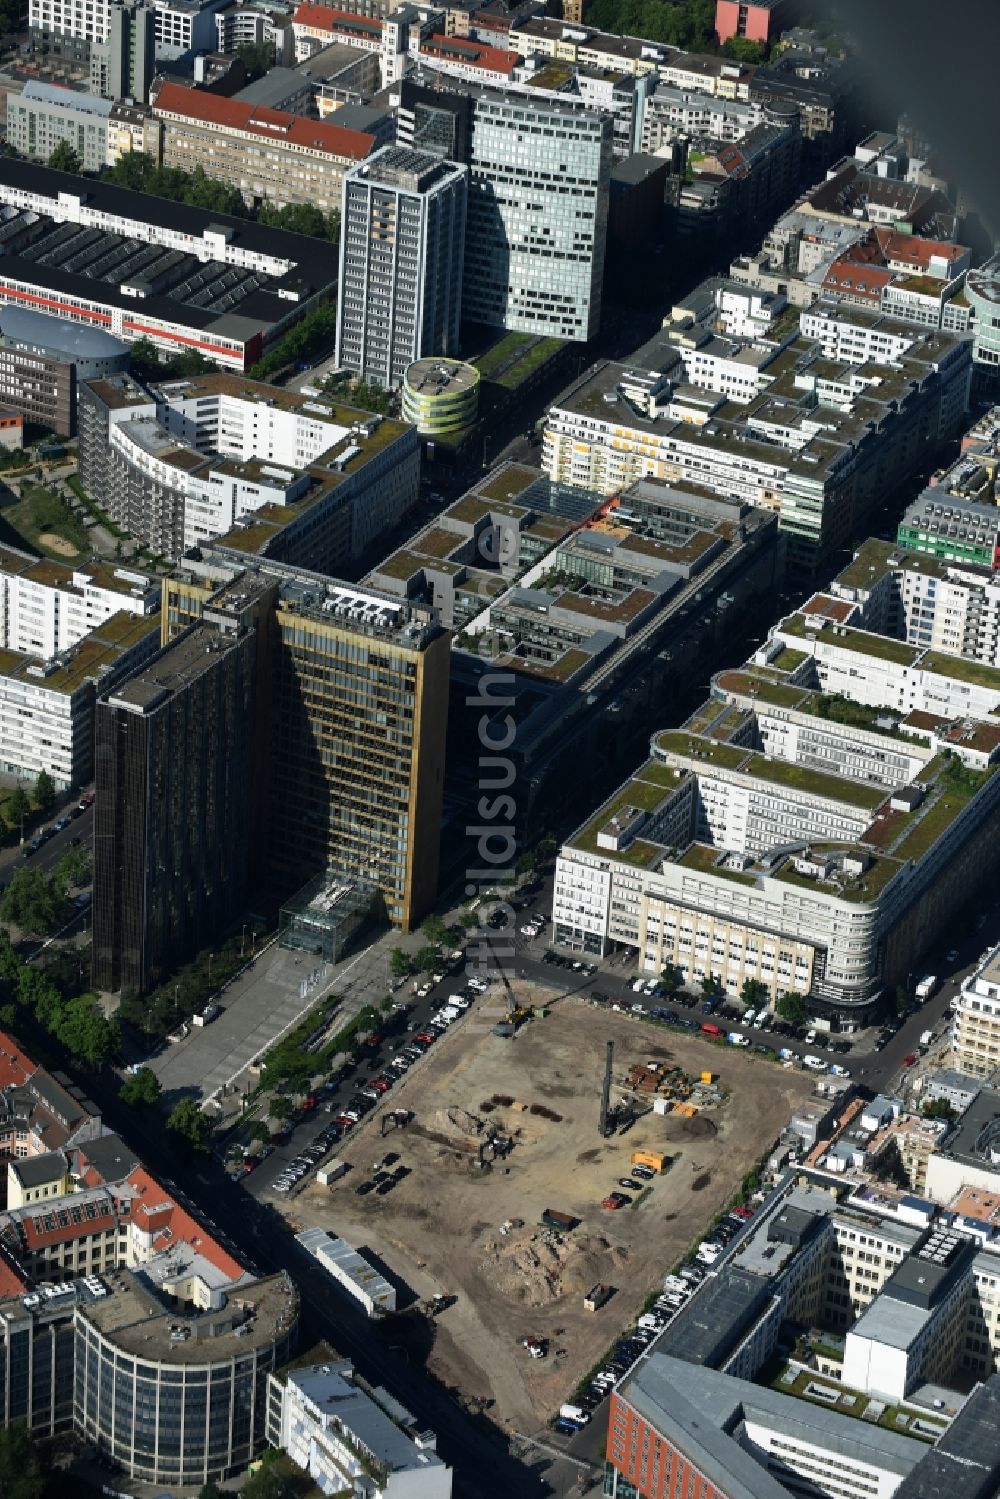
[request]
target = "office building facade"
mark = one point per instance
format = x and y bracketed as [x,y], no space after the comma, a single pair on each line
[42,117]
[123,62]
[174,756]
[401,248]
[539,180]
[310,711]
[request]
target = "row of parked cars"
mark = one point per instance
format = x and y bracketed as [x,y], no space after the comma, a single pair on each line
[560,960]
[44,834]
[677,1291]
[364,1100]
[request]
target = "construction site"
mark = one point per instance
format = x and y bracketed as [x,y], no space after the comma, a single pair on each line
[515,1146]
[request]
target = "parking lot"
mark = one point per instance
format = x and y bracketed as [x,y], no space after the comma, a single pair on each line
[444,1224]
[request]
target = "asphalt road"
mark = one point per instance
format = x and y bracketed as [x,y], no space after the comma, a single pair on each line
[51,852]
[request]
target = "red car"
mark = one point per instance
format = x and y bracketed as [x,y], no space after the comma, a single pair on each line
[743,1213]
[380,1084]
[375,1039]
[344,1122]
[426,1038]
[308,1104]
[250,1164]
[612,1203]
[910,1060]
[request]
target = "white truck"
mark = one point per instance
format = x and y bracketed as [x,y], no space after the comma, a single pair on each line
[926,986]
[926,1037]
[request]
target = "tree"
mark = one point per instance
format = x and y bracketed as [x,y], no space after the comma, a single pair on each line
[32,902]
[191,1129]
[791,1007]
[435,929]
[86,1032]
[18,808]
[141,1090]
[21,1472]
[427,958]
[670,979]
[545,848]
[938,1108]
[259,1132]
[468,920]
[710,985]
[73,868]
[280,1107]
[210,1490]
[526,862]
[256,57]
[400,963]
[65,159]
[742,49]
[902,997]
[45,791]
[753,992]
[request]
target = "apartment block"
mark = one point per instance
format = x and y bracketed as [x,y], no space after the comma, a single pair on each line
[123,62]
[267,155]
[48,607]
[299,478]
[975,1030]
[41,117]
[401,248]
[340,1430]
[47,704]
[795,437]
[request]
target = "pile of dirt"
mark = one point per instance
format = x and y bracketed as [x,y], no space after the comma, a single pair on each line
[455,1121]
[535,1269]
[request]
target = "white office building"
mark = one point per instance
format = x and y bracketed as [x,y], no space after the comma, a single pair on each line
[350,1438]
[401,249]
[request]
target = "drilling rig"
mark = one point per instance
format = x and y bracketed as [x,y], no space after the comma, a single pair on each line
[605,1126]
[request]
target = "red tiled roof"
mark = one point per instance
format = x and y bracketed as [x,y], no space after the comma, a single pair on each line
[154,1211]
[851,275]
[471,54]
[12,1282]
[15,1065]
[915,250]
[37,1238]
[325,18]
[273,124]
[829,608]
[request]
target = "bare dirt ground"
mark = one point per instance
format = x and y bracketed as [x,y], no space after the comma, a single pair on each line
[439,1229]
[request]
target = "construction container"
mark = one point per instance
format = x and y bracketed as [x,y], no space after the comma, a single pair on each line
[556,1219]
[331,1172]
[596,1297]
[654,1159]
[708,1078]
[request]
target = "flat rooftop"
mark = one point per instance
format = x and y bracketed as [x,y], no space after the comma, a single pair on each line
[138,1323]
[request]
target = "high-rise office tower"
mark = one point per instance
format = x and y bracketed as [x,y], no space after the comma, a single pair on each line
[538,216]
[176,786]
[291,725]
[401,247]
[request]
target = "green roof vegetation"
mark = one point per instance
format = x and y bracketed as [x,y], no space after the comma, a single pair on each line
[642,794]
[702,857]
[955,787]
[790,659]
[975,672]
[815,782]
[853,640]
[515,357]
[709,751]
[751,684]
[508,483]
